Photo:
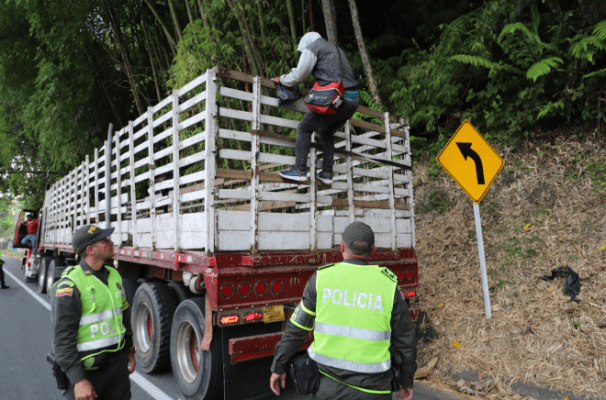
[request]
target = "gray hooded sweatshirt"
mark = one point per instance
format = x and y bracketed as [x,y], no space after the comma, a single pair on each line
[322,59]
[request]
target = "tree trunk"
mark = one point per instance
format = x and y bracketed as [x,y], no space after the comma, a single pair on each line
[261,20]
[189,14]
[303,16]
[127,66]
[170,37]
[247,44]
[151,60]
[291,18]
[175,18]
[374,91]
[330,21]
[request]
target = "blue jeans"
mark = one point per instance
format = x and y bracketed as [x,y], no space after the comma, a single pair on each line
[326,125]
[29,241]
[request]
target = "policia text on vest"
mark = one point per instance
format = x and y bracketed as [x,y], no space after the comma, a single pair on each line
[353,309]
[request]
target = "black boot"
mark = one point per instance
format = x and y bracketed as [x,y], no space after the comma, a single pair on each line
[4,286]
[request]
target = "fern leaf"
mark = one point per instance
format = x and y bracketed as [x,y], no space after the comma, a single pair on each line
[583,49]
[518,26]
[601,73]
[542,67]
[600,30]
[475,61]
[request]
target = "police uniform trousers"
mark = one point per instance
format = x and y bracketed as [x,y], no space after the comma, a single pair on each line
[329,389]
[111,382]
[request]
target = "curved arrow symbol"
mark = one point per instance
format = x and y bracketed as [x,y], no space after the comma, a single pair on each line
[466,150]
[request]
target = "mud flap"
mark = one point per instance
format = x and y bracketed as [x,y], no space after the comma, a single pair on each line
[249,379]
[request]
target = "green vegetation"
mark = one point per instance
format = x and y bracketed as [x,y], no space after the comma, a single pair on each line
[515,68]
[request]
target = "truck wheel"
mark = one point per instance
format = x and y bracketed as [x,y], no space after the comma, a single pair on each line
[55,269]
[153,309]
[198,374]
[180,291]
[42,273]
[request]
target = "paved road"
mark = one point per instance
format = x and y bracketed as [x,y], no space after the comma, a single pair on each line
[25,339]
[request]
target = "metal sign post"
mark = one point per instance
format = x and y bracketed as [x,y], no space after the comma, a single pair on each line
[474,165]
[476,213]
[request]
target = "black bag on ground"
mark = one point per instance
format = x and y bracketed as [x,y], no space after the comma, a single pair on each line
[60,376]
[288,94]
[572,285]
[304,373]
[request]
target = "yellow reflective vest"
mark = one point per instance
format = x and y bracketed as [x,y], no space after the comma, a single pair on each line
[101,326]
[353,317]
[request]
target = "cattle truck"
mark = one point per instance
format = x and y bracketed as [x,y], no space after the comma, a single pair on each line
[213,246]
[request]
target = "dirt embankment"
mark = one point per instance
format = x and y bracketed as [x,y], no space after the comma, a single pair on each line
[547,209]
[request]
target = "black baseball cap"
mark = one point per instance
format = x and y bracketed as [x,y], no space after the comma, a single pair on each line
[358,237]
[88,235]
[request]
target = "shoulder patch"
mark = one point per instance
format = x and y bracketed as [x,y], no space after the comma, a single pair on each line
[326,266]
[68,291]
[390,274]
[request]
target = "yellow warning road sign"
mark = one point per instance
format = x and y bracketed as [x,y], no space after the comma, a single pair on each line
[470,161]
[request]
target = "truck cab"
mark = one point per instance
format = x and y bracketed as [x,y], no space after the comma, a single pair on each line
[20,233]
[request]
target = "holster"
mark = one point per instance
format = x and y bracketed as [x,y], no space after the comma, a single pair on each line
[305,375]
[396,363]
[60,376]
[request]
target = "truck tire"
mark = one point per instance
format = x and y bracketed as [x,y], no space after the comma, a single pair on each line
[151,317]
[42,273]
[198,374]
[180,291]
[55,269]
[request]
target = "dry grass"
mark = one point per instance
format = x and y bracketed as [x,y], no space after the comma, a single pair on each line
[536,334]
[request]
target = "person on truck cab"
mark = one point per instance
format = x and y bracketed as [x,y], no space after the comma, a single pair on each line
[359,318]
[92,336]
[32,231]
[327,63]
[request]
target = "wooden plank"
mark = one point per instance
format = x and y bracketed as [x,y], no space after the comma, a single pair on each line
[118,197]
[392,216]
[161,105]
[176,163]
[86,192]
[254,166]
[367,125]
[236,94]
[193,120]
[133,197]
[369,204]
[199,81]
[211,128]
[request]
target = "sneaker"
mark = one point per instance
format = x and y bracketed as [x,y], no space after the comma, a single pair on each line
[293,174]
[325,178]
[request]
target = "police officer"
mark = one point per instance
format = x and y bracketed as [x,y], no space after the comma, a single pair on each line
[357,312]
[92,337]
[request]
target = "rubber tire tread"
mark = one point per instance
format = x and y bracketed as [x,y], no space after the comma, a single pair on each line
[180,291]
[44,263]
[194,310]
[162,305]
[55,269]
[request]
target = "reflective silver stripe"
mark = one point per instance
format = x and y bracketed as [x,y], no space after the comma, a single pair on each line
[98,317]
[368,368]
[349,331]
[99,343]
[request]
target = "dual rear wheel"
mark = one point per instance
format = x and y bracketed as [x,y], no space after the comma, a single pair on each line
[168,327]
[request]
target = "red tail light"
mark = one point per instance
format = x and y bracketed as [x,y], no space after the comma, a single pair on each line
[400,275]
[410,274]
[411,293]
[227,290]
[277,286]
[260,288]
[253,316]
[244,289]
[229,319]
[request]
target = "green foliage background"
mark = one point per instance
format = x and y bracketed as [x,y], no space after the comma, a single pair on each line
[517,69]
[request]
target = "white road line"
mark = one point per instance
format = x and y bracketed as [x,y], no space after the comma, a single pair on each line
[136,377]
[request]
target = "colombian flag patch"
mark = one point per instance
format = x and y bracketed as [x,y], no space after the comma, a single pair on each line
[64,292]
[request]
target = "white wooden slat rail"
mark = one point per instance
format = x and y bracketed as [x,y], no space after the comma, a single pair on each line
[198,171]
